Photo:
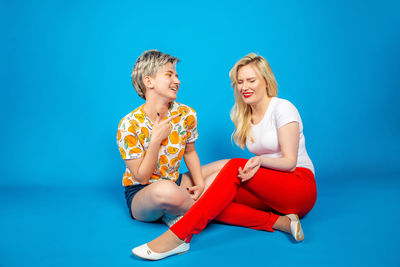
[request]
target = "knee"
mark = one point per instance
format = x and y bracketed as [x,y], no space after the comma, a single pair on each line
[167,194]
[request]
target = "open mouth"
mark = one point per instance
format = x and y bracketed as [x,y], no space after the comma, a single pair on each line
[175,89]
[247,94]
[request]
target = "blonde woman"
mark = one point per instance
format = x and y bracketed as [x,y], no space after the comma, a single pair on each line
[280,174]
[154,138]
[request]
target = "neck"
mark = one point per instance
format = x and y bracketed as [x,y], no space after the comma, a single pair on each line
[258,109]
[154,106]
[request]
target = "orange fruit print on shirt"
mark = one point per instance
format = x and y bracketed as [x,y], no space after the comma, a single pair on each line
[174,137]
[174,161]
[134,126]
[172,150]
[140,117]
[164,142]
[135,150]
[163,159]
[163,170]
[183,110]
[131,140]
[189,122]
[118,135]
[177,119]
[123,154]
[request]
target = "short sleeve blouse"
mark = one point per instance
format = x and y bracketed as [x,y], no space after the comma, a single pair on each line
[133,139]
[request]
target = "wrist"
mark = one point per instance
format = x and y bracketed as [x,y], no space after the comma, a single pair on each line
[199,182]
[155,141]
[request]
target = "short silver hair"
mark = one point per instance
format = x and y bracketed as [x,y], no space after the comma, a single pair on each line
[148,64]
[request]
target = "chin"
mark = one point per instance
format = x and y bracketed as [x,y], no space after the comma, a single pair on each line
[247,101]
[172,97]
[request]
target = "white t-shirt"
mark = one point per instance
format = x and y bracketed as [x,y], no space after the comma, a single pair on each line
[265,133]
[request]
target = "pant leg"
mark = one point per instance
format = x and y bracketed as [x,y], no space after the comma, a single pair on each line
[246,210]
[246,198]
[284,192]
[242,215]
[224,188]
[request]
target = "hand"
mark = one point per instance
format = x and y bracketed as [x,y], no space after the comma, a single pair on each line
[161,128]
[249,169]
[195,191]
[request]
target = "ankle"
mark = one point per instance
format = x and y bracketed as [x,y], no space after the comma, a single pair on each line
[282,224]
[173,237]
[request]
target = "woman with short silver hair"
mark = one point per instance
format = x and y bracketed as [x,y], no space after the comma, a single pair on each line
[154,138]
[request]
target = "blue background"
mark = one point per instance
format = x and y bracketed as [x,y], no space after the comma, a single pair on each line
[65,85]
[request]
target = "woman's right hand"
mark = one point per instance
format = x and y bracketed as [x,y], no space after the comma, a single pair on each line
[162,128]
[250,169]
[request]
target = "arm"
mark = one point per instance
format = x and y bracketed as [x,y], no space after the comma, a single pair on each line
[142,168]
[288,138]
[193,163]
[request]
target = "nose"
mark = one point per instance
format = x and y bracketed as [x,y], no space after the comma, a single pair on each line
[177,81]
[245,86]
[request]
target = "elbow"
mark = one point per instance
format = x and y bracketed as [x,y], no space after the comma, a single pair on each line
[292,163]
[142,180]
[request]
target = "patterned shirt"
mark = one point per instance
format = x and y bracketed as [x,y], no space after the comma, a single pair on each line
[133,139]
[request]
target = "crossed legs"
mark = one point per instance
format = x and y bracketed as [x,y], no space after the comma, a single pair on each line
[285,192]
[166,197]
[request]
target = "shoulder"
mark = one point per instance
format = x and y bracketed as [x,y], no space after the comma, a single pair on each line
[283,105]
[182,109]
[132,118]
[280,102]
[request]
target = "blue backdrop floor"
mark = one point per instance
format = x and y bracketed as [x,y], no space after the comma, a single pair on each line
[354,223]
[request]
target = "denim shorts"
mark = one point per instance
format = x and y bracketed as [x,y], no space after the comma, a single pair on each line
[132,190]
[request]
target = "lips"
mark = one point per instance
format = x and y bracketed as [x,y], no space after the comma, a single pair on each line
[247,94]
[174,89]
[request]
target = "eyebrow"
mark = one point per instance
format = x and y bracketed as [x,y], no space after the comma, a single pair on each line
[171,72]
[250,78]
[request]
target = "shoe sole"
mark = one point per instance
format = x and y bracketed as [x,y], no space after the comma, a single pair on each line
[298,238]
[161,258]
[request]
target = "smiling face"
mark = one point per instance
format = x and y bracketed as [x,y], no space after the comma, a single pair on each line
[251,85]
[166,83]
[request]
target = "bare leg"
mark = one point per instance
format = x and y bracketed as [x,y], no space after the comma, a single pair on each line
[165,197]
[169,240]
[209,172]
[159,198]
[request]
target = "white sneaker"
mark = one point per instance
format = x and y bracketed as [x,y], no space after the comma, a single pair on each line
[170,220]
[295,227]
[145,252]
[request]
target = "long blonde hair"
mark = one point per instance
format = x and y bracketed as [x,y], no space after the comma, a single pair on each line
[241,112]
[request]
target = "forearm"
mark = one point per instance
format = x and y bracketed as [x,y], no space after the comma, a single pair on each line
[285,164]
[148,164]
[193,164]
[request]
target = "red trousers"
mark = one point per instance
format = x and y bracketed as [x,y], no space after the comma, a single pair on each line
[255,203]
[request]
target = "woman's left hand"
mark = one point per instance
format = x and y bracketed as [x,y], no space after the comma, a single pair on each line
[195,191]
[249,169]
